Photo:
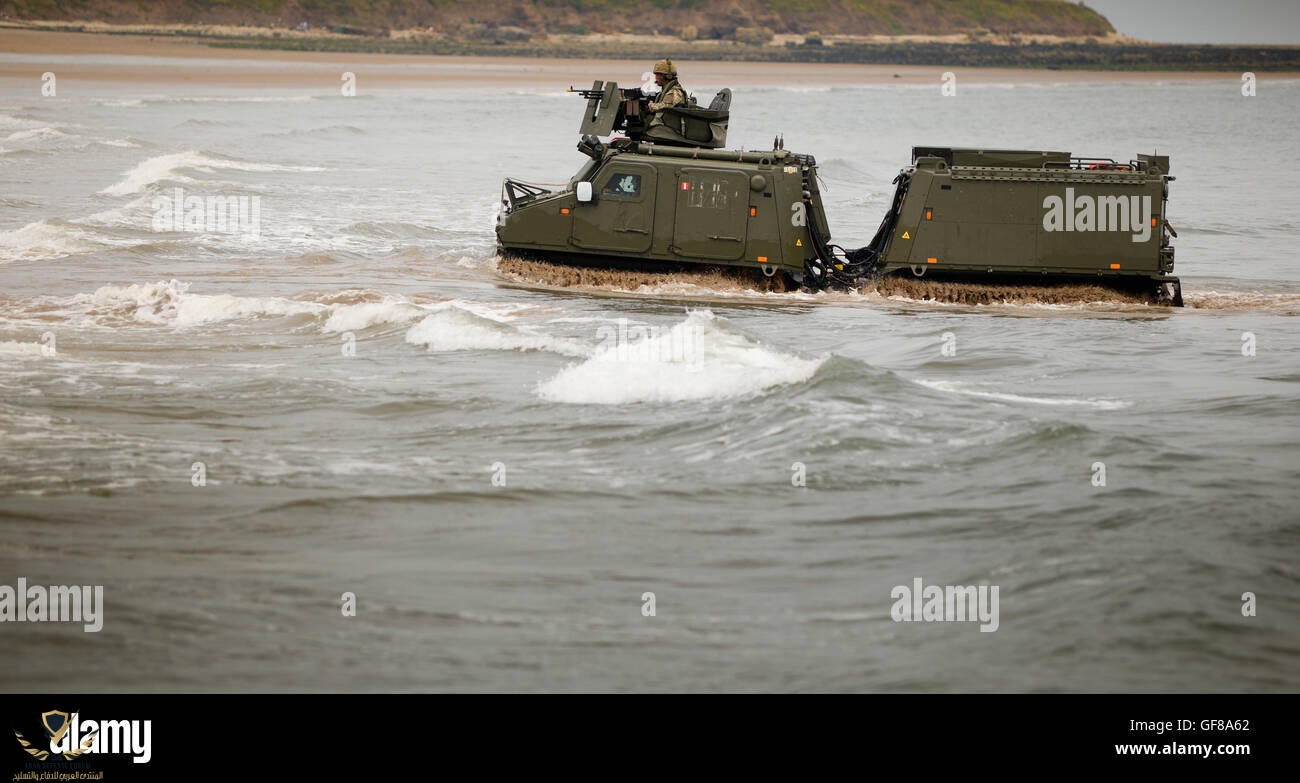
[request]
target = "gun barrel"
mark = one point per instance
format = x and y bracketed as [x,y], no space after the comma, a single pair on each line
[625,93]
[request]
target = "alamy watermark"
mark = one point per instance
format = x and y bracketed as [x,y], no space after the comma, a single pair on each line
[950,603]
[211,214]
[638,343]
[53,604]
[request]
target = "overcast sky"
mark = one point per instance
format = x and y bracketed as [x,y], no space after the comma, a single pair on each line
[1204,21]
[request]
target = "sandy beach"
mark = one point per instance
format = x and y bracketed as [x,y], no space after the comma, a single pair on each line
[97,58]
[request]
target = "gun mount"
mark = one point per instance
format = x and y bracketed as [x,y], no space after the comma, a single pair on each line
[611,109]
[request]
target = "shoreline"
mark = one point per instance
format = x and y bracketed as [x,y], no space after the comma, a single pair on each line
[143,59]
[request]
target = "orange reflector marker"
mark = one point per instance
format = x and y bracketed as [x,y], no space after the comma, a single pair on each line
[929,214]
[1114,266]
[753,211]
[762,259]
[1153,222]
[931,260]
[564,210]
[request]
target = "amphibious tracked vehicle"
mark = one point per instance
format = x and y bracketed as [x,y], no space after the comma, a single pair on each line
[668,195]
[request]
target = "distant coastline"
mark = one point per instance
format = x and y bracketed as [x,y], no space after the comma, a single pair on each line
[1111,53]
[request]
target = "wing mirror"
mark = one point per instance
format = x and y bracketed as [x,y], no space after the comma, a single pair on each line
[584,192]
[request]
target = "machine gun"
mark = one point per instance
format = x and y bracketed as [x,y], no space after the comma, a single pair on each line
[612,109]
[628,93]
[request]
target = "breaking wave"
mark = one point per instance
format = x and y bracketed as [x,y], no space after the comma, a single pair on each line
[44,240]
[701,358]
[169,304]
[50,133]
[168,167]
[365,315]
[451,327]
[448,325]
[13,348]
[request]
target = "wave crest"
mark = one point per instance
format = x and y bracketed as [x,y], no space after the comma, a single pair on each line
[161,168]
[451,327]
[700,358]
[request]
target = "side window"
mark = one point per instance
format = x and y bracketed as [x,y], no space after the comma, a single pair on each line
[622,185]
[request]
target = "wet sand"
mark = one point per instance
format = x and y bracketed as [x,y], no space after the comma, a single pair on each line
[141,59]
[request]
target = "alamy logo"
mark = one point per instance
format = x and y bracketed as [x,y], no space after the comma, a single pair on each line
[1099,213]
[213,214]
[57,603]
[920,602]
[69,737]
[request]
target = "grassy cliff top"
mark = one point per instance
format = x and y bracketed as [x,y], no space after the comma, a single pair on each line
[705,19]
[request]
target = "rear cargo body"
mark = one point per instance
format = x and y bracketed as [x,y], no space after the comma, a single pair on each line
[1034,213]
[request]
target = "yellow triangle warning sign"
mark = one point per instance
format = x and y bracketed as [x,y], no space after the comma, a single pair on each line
[798,243]
[906,235]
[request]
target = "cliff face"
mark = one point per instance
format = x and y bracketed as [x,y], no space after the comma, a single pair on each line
[709,18]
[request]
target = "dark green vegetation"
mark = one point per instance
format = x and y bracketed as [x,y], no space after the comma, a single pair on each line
[989,33]
[709,18]
[1078,56]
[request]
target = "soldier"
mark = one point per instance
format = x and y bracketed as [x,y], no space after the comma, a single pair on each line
[671,92]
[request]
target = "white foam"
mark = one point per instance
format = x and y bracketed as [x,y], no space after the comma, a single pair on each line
[10,347]
[43,240]
[9,121]
[501,312]
[37,134]
[194,309]
[957,388]
[135,214]
[452,327]
[698,359]
[167,167]
[168,303]
[354,317]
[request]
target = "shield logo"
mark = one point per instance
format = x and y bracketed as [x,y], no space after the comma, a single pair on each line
[55,723]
